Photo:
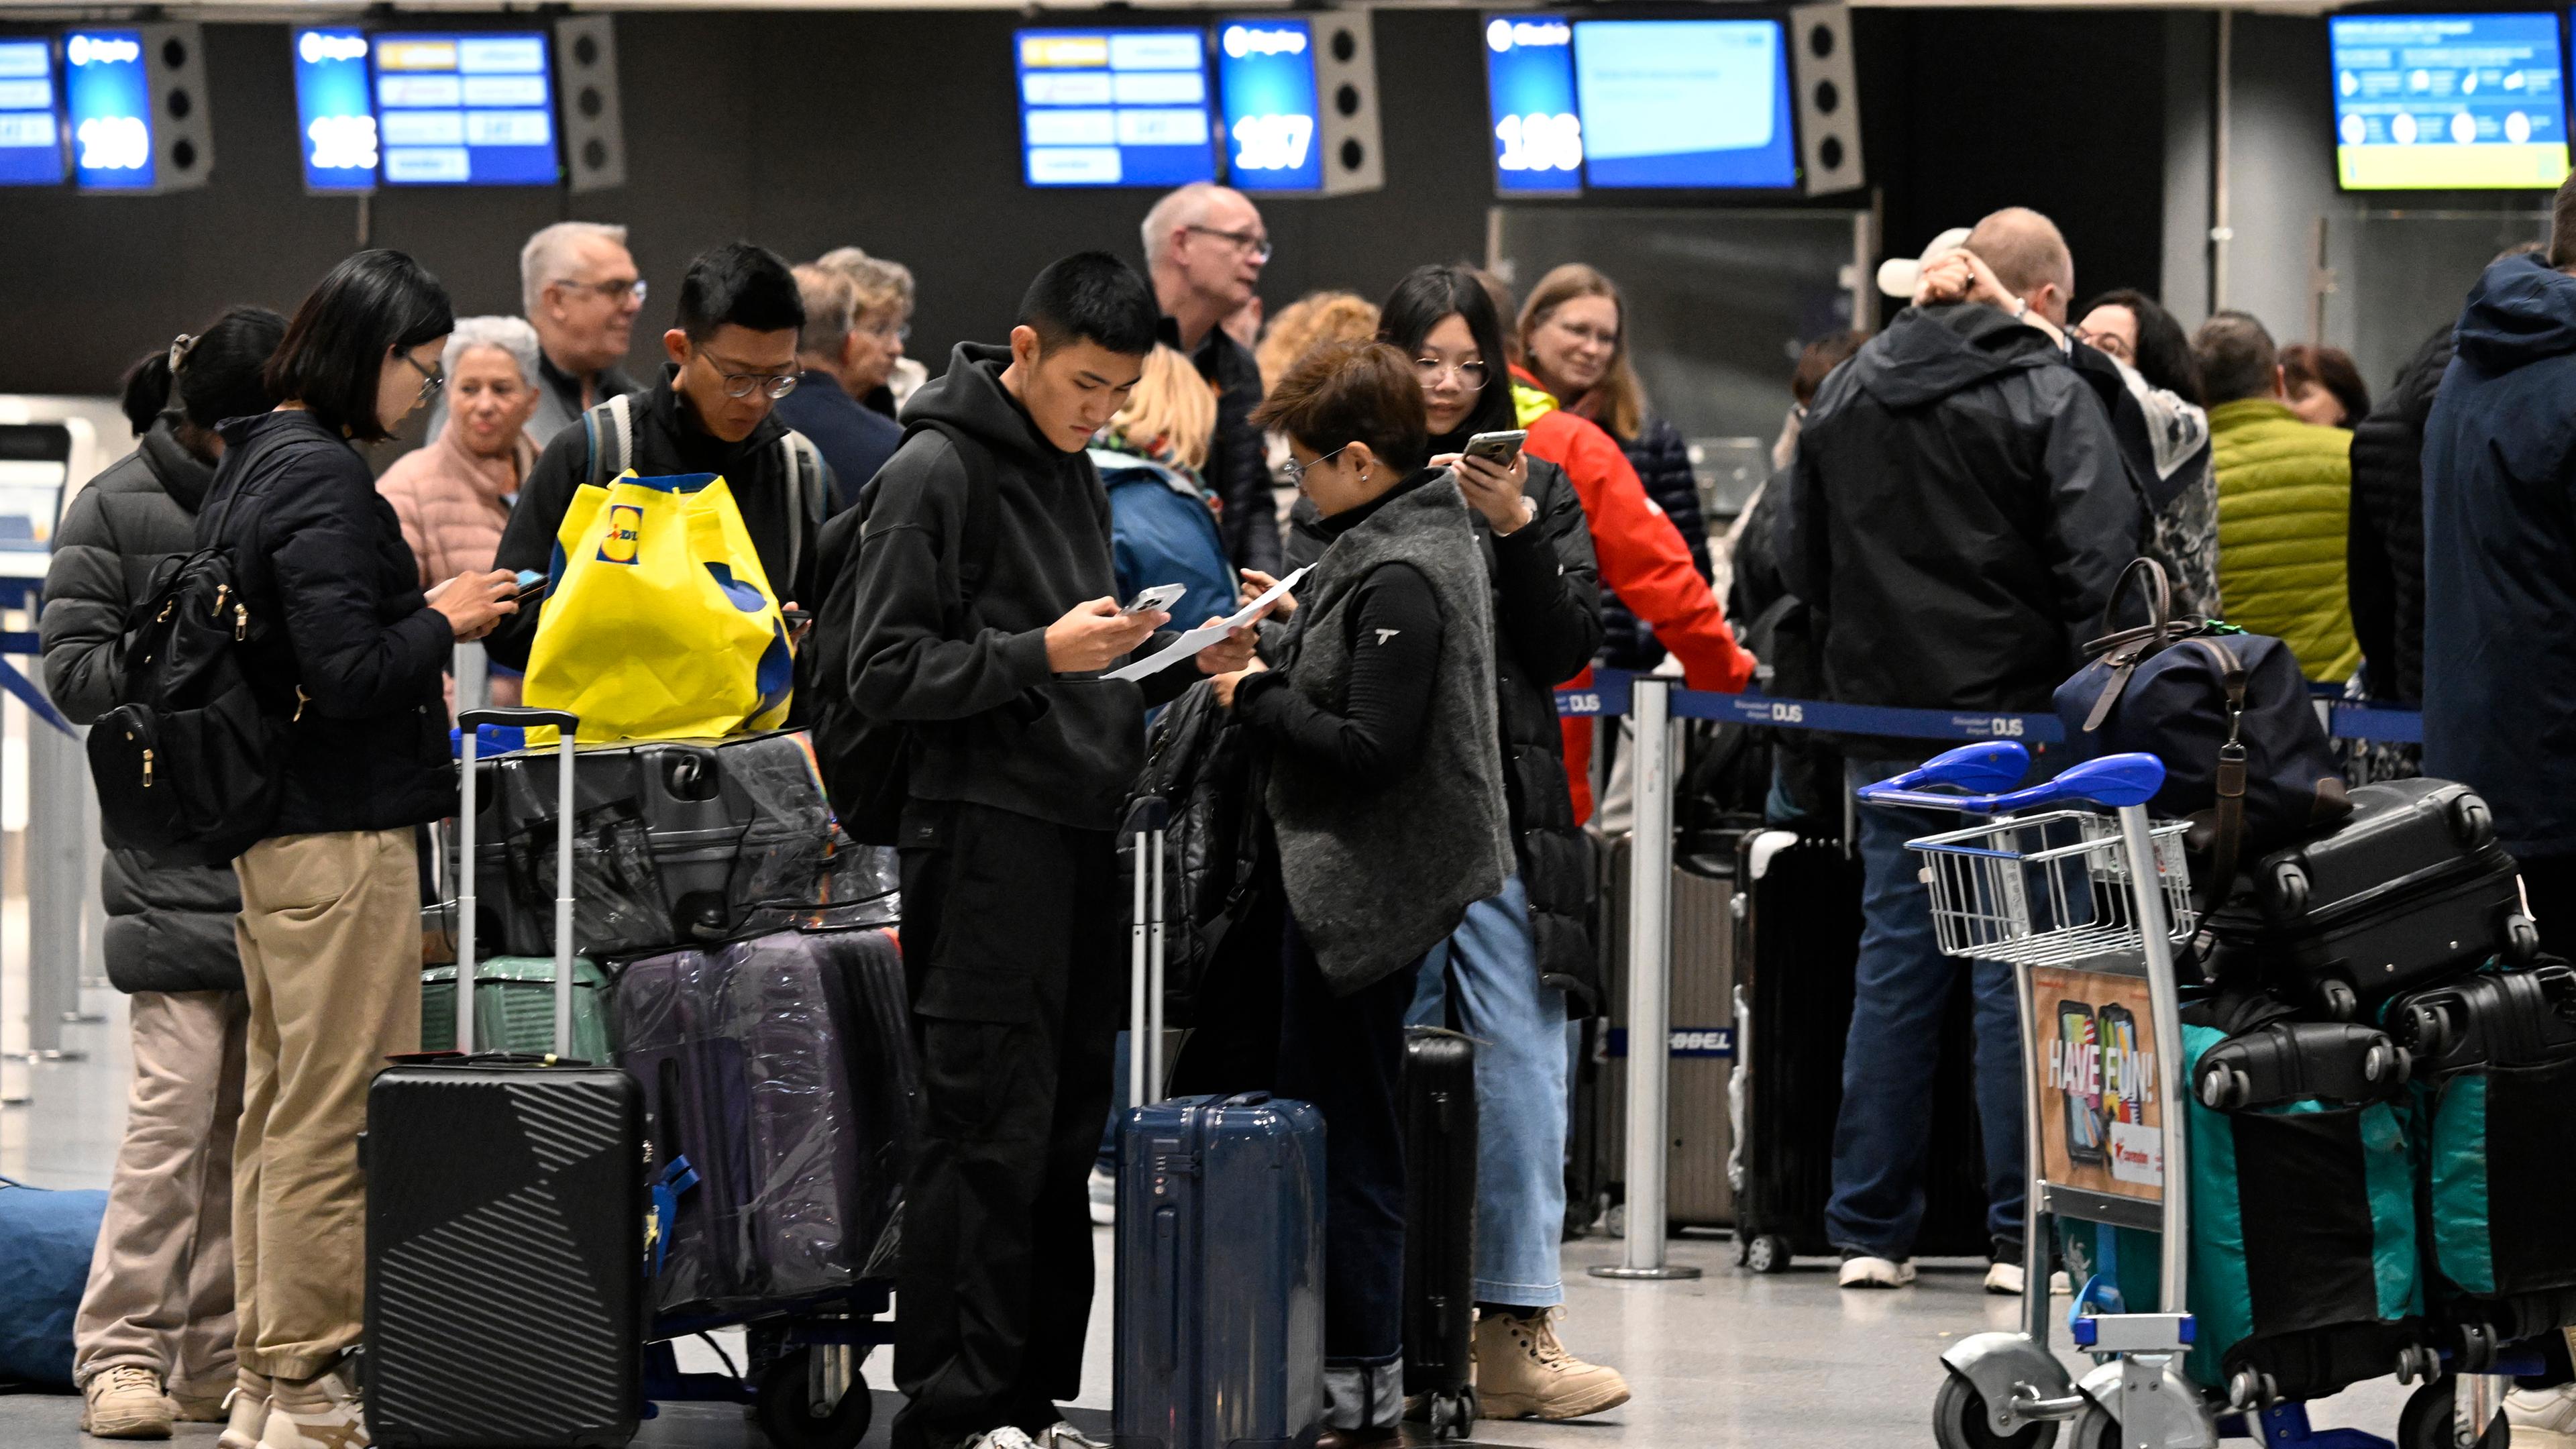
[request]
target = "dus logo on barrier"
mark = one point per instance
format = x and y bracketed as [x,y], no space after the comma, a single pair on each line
[625,534]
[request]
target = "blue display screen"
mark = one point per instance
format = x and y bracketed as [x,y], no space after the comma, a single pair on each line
[1266,74]
[2448,102]
[331,110]
[111,110]
[474,108]
[1529,83]
[1685,103]
[31,132]
[1114,107]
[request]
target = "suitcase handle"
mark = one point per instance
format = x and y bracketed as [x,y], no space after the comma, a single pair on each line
[2115,780]
[469,727]
[473,718]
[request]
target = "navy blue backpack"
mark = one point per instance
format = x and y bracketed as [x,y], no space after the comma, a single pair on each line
[2246,757]
[1162,532]
[45,1243]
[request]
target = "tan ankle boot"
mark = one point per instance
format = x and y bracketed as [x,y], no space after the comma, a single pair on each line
[1524,1372]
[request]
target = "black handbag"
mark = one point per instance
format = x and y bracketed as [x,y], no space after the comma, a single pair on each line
[2246,757]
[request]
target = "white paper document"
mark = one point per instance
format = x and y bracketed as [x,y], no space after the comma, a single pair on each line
[1191,641]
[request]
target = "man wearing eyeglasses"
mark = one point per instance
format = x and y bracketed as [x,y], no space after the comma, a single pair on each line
[581,292]
[732,357]
[1204,249]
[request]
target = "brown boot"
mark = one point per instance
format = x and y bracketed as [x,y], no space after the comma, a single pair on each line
[1524,1372]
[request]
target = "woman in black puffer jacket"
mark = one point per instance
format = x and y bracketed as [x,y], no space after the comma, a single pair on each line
[1573,337]
[155,1329]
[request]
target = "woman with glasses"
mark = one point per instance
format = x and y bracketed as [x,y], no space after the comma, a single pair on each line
[453,494]
[1574,343]
[346,652]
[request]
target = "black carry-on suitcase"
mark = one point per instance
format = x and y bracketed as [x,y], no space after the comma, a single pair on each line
[1798,944]
[1440,1227]
[505,1221]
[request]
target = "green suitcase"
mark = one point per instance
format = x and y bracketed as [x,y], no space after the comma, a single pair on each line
[514,1007]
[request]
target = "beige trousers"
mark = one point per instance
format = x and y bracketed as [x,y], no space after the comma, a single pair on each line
[160,1292]
[330,952]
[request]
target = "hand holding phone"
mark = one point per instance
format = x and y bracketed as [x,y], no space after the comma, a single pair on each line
[1499,449]
[1159,597]
[532,586]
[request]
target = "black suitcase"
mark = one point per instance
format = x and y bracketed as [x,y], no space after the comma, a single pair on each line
[2336,1062]
[1797,945]
[1440,1227]
[2409,887]
[505,1233]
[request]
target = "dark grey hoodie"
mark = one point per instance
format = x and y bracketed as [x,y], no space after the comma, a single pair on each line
[1003,731]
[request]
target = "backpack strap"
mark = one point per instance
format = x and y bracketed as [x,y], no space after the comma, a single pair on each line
[804,465]
[981,525]
[2231,769]
[600,464]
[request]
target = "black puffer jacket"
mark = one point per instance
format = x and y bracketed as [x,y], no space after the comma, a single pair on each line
[1662,461]
[2384,555]
[1547,625]
[169,928]
[342,643]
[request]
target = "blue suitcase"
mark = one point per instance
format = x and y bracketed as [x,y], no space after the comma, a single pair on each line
[1220,1296]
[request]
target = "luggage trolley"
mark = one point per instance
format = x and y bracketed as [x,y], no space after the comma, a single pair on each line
[2086,907]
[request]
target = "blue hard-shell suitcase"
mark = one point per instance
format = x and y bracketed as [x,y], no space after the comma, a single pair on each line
[1220,1296]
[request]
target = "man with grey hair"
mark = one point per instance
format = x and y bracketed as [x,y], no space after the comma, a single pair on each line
[1957,514]
[1204,249]
[883,316]
[579,288]
[837,355]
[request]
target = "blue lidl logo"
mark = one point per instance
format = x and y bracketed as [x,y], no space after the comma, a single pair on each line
[625,537]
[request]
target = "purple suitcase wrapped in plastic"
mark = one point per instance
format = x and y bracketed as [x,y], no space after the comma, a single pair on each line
[782,1069]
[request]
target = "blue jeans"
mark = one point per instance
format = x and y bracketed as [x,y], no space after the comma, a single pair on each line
[1895,1043]
[1484,982]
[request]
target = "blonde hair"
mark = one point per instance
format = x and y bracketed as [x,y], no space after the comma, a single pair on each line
[1617,402]
[1308,323]
[1172,408]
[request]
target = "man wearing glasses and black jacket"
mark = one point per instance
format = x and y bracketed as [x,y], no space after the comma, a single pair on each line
[733,355]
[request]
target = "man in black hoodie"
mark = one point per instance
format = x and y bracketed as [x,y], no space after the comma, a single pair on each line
[1957,515]
[733,354]
[983,618]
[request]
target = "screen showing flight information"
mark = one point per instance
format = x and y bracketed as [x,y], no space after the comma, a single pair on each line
[465,109]
[2449,102]
[31,129]
[1115,107]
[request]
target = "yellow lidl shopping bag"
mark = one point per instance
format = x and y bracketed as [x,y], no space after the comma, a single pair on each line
[659,622]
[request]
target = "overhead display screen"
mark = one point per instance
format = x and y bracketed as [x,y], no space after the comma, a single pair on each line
[1684,103]
[332,110]
[2450,102]
[1529,82]
[110,105]
[31,135]
[1115,107]
[1266,78]
[465,109]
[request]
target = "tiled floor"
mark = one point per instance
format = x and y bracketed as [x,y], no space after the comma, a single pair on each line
[1729,1359]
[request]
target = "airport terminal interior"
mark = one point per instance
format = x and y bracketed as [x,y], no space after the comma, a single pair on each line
[1961,446]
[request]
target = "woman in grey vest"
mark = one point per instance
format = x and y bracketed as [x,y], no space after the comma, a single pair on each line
[1382,802]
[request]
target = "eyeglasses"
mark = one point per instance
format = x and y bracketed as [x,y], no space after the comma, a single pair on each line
[431,378]
[1251,241]
[1597,336]
[1297,470]
[744,384]
[1470,375]
[608,291]
[890,331]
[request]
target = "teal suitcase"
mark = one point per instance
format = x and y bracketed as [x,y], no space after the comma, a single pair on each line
[514,1007]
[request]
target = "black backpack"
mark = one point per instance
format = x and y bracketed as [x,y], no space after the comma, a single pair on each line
[2246,757]
[187,763]
[867,762]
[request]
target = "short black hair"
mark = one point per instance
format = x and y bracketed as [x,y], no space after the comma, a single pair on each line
[1417,304]
[1094,297]
[219,374]
[372,305]
[2164,349]
[2237,357]
[741,284]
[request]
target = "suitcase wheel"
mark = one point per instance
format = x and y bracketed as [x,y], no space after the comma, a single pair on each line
[2521,939]
[1959,1421]
[2427,1029]
[2290,888]
[2222,1087]
[786,1406]
[2337,999]
[1452,1416]
[2385,1065]
[1765,1253]
[2425,1422]
[2472,824]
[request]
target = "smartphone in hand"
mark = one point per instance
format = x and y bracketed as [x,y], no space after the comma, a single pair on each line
[1158,597]
[1501,449]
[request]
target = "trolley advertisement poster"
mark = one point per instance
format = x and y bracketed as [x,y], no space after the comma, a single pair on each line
[2101,1117]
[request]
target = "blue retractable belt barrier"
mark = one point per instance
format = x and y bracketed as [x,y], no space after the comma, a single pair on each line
[1607,694]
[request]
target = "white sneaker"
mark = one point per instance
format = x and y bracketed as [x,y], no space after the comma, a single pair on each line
[246,1412]
[1062,1435]
[322,1413]
[2060,1286]
[1863,1271]
[1104,1199]
[1009,1436]
[2542,1418]
[2004,1279]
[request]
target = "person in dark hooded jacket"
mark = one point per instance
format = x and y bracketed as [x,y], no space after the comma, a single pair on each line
[1957,515]
[2384,550]
[2500,565]
[155,1330]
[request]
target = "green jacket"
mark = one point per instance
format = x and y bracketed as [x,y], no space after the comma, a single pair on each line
[2284,507]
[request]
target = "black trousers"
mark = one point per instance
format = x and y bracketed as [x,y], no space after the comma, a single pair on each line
[1013,940]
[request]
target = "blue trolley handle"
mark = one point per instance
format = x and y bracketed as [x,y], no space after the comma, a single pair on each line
[2114,780]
